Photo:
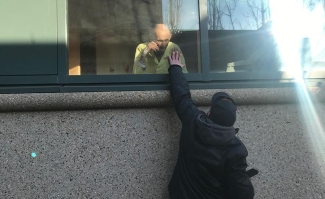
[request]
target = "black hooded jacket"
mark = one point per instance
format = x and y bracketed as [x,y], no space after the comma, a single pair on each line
[212,160]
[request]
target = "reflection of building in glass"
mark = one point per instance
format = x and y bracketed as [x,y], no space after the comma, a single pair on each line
[262,55]
[103,34]
[243,50]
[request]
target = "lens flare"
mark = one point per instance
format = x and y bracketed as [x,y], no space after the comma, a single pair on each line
[296,27]
[294,22]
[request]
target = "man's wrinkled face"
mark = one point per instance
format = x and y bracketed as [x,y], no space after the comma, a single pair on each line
[162,39]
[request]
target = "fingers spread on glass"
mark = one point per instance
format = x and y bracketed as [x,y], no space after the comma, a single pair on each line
[175,58]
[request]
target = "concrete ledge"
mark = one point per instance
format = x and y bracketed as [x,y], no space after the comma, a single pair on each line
[104,100]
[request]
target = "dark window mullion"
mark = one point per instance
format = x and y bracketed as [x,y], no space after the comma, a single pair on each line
[131,78]
[263,75]
[242,76]
[62,41]
[204,40]
[28,80]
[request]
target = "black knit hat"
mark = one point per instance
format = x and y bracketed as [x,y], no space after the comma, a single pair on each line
[223,109]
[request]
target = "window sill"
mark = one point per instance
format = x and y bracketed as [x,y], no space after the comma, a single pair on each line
[142,99]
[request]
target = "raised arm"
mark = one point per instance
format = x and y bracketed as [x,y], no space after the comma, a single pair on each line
[179,88]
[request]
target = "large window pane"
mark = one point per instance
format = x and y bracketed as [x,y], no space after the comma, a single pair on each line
[28,37]
[111,37]
[266,36]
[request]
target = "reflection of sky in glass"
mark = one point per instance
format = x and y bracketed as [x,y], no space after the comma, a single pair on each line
[317,33]
[293,20]
[297,25]
[241,14]
[291,28]
[189,14]
[241,17]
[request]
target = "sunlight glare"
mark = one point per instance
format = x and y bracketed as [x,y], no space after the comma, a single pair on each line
[292,23]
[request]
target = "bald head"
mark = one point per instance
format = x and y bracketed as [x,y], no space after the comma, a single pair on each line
[163,35]
[162,29]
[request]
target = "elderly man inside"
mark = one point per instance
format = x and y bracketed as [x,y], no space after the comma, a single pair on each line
[152,57]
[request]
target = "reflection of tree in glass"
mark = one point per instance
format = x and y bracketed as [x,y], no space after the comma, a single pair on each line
[215,13]
[229,11]
[310,4]
[221,15]
[258,13]
[228,14]
[172,17]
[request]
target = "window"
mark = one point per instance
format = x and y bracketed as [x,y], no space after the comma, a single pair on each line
[102,45]
[112,37]
[257,38]
[264,36]
[28,41]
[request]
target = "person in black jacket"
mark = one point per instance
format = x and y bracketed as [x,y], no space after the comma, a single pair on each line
[212,160]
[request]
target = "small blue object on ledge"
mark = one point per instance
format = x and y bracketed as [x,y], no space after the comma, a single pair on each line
[33,154]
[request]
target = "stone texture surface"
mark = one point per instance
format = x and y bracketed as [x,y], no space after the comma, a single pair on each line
[139,99]
[130,153]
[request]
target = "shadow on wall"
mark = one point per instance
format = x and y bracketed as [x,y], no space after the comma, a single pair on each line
[29,59]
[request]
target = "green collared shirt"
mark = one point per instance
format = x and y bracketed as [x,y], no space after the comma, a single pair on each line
[152,65]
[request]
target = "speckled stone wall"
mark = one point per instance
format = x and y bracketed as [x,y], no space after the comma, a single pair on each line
[131,152]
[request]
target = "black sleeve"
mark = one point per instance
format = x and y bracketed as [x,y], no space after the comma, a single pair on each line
[180,92]
[238,183]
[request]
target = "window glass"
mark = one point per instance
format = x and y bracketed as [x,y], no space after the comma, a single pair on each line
[28,38]
[266,36]
[131,36]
